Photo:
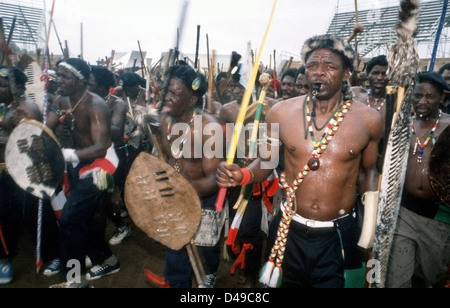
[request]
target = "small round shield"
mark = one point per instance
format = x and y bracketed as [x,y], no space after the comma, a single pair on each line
[439,166]
[34,159]
[161,202]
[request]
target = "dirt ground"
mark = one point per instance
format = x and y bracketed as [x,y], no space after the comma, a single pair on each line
[135,253]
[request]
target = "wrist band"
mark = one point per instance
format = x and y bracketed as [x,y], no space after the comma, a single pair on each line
[247,176]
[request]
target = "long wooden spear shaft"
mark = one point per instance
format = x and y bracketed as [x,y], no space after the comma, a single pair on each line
[243,110]
[211,80]
[59,41]
[143,67]
[247,190]
[7,42]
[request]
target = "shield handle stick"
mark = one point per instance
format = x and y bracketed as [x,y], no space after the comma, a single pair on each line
[194,257]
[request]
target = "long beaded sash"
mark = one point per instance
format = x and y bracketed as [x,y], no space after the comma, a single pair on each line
[271,272]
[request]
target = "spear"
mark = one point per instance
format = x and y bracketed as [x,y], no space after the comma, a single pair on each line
[243,110]
[211,82]
[59,41]
[247,190]
[7,42]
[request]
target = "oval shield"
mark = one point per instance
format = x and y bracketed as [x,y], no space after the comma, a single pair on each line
[161,202]
[34,159]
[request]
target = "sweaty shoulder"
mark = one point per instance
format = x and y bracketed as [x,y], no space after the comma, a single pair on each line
[370,116]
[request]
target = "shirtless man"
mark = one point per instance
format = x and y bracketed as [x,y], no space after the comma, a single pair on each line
[182,104]
[14,107]
[421,243]
[132,90]
[101,82]
[444,70]
[376,97]
[288,84]
[322,199]
[90,165]
[301,84]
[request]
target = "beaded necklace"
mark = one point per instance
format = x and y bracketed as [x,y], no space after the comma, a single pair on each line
[63,113]
[178,152]
[378,108]
[271,271]
[418,143]
[332,125]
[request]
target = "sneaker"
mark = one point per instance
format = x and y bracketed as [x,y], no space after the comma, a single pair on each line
[88,262]
[99,271]
[119,235]
[53,268]
[6,272]
[209,281]
[71,285]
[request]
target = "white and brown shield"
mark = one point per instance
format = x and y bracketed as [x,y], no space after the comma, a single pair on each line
[161,202]
[34,159]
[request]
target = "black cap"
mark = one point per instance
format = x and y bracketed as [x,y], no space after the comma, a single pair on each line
[193,80]
[435,79]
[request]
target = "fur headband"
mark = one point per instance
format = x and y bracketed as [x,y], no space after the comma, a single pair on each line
[332,43]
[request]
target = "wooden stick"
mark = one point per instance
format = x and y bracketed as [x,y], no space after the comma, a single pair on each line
[143,67]
[243,110]
[211,82]
[196,262]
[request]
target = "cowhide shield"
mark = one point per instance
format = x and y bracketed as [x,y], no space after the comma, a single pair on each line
[34,158]
[439,166]
[161,202]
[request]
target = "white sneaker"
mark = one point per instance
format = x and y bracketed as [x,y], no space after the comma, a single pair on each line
[119,235]
[88,262]
[208,281]
[53,268]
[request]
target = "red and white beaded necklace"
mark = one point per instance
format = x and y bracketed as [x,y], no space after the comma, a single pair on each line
[418,143]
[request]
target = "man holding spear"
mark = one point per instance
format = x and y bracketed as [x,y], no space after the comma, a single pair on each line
[320,186]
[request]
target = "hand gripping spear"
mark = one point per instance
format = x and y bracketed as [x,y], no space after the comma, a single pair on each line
[246,190]
[243,110]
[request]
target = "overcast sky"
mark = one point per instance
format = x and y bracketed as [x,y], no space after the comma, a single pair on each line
[229,25]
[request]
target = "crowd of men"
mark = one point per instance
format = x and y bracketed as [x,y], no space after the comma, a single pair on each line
[326,134]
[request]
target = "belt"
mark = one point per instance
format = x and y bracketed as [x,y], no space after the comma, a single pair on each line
[311,222]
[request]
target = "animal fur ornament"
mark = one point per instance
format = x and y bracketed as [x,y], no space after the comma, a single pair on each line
[333,43]
[403,57]
[403,66]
